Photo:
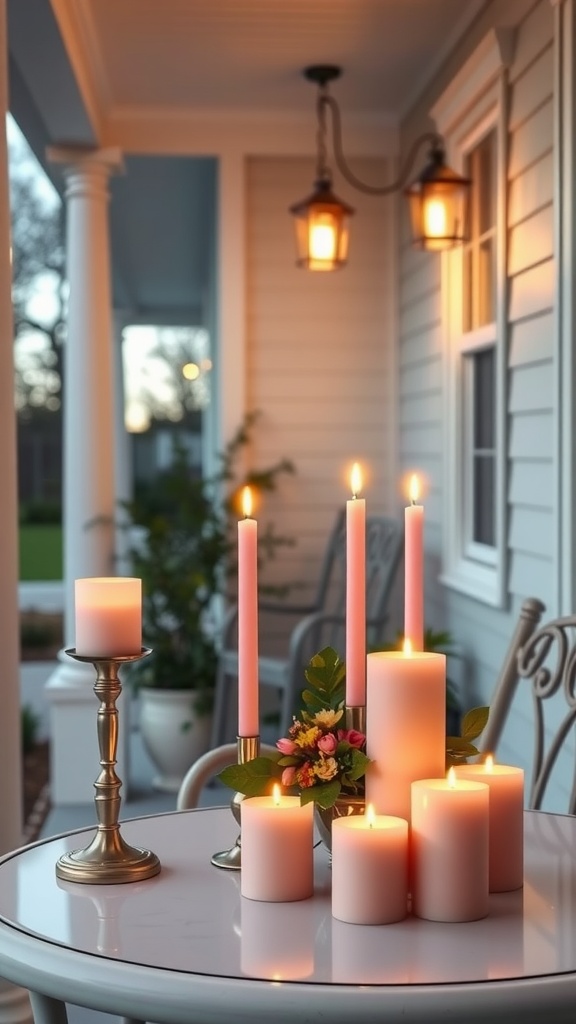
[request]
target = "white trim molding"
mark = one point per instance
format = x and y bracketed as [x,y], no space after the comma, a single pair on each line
[565,311]
[475,103]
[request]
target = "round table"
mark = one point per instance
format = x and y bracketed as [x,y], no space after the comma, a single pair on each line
[186,948]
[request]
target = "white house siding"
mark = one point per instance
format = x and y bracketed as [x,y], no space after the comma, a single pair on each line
[481,631]
[317,367]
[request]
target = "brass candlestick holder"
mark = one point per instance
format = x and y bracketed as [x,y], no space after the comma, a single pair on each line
[355,718]
[248,749]
[108,859]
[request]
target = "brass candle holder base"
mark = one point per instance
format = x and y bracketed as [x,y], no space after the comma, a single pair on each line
[231,860]
[108,859]
[355,718]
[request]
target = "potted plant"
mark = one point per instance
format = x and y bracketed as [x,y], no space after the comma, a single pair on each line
[183,551]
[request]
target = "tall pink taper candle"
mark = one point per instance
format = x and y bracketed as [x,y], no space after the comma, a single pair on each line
[414,570]
[356,594]
[248,724]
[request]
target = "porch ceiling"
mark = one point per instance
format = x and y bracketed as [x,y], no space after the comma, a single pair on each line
[110,71]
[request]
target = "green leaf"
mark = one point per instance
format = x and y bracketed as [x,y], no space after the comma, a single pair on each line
[325,675]
[473,722]
[359,765]
[325,794]
[461,744]
[252,778]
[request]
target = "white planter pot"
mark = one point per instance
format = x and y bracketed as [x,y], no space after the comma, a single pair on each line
[174,735]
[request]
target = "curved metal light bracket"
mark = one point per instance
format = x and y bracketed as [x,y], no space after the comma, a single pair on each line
[436,185]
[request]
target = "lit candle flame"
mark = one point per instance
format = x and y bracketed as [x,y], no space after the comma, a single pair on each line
[356,480]
[452,778]
[407,646]
[246,502]
[276,795]
[414,489]
[489,763]
[370,815]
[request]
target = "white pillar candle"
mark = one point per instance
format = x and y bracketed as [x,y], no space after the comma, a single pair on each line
[405,726]
[277,849]
[449,849]
[506,787]
[108,612]
[369,868]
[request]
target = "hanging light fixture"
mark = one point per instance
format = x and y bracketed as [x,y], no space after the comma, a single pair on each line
[437,198]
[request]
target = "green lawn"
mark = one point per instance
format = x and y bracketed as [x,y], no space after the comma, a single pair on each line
[40,552]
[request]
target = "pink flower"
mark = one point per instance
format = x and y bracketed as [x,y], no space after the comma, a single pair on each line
[288,776]
[328,743]
[353,737]
[286,746]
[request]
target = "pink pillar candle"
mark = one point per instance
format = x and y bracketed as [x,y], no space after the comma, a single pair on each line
[356,595]
[248,712]
[414,570]
[108,616]
[369,869]
[405,726]
[449,849]
[277,849]
[506,787]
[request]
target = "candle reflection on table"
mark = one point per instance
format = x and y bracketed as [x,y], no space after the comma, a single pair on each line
[277,939]
[368,955]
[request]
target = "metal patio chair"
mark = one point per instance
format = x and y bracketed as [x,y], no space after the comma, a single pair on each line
[544,656]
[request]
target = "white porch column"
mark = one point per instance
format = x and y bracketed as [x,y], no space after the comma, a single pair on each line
[89,500]
[14,1002]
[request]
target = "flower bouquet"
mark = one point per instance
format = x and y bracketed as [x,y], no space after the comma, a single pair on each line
[319,759]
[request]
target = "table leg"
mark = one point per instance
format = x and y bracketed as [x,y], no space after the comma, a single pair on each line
[47,1010]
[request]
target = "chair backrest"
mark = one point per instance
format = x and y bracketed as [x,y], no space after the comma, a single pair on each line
[384,548]
[544,656]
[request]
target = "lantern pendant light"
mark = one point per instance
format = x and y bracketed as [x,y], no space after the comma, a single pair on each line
[438,198]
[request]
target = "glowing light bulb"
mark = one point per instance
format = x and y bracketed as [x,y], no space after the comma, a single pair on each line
[435,218]
[322,241]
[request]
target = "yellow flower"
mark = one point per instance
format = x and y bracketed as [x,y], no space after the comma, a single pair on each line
[308,737]
[327,718]
[326,768]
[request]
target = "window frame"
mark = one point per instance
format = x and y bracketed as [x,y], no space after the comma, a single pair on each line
[473,105]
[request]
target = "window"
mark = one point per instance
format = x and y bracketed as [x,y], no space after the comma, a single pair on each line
[480,453]
[471,117]
[479,363]
[479,254]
